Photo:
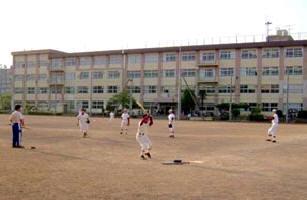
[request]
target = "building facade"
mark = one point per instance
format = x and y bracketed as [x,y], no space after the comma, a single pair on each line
[5,80]
[267,74]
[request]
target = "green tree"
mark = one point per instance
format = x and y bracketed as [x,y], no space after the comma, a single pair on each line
[120,100]
[5,102]
[187,101]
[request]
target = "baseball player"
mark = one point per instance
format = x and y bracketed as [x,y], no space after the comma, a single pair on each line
[111,116]
[17,122]
[171,121]
[125,122]
[142,136]
[83,121]
[272,130]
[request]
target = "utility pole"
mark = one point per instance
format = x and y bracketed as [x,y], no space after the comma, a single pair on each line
[287,101]
[179,85]
[230,102]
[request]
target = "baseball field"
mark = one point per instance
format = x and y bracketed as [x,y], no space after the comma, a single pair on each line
[234,162]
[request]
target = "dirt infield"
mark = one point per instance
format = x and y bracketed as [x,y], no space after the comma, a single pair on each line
[237,162]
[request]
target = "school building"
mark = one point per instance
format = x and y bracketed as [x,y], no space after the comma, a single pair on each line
[268,74]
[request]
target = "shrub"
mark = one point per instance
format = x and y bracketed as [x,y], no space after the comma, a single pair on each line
[302,114]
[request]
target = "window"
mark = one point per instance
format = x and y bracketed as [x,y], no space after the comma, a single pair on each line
[31,77]
[70,76]
[207,73]
[56,63]
[226,55]
[98,89]
[150,89]
[151,58]
[226,89]
[31,64]
[268,107]
[270,71]
[83,104]
[97,75]
[170,57]
[294,52]
[188,57]
[134,89]
[19,90]
[19,77]
[97,104]
[251,106]
[113,74]
[248,71]
[42,90]
[85,61]
[69,90]
[43,63]
[150,73]
[270,53]
[270,89]
[20,65]
[248,54]
[210,56]
[55,90]
[169,73]
[134,59]
[208,90]
[294,70]
[31,90]
[70,62]
[294,88]
[134,74]
[42,77]
[247,88]
[116,59]
[293,106]
[226,72]
[112,89]
[188,73]
[84,75]
[100,60]
[82,90]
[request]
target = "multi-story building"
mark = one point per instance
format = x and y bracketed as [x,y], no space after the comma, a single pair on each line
[268,74]
[5,80]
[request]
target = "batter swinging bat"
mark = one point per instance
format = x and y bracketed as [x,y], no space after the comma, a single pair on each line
[141,106]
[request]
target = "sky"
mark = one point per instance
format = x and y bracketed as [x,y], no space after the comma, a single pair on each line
[92,25]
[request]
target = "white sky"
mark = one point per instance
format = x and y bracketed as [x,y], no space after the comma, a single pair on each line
[84,25]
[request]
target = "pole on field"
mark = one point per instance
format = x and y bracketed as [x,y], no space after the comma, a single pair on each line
[230,102]
[287,101]
[179,85]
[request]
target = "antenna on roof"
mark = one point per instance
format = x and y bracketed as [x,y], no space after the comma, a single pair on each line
[267,24]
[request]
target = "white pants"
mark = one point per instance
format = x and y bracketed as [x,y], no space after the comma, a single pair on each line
[272,130]
[124,124]
[144,142]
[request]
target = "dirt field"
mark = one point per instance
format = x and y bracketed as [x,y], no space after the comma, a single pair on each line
[237,162]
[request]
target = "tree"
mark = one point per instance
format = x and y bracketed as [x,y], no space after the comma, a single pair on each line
[187,101]
[120,101]
[5,102]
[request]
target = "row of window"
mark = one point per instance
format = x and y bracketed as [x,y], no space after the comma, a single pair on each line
[167,57]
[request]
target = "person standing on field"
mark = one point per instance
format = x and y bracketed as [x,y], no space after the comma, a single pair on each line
[142,136]
[171,121]
[111,116]
[17,122]
[273,129]
[125,122]
[83,121]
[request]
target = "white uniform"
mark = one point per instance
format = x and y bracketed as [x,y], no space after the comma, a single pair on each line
[272,130]
[142,137]
[125,118]
[171,122]
[111,116]
[83,122]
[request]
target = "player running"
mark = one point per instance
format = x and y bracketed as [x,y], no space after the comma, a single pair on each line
[142,136]
[83,122]
[171,121]
[125,122]
[272,130]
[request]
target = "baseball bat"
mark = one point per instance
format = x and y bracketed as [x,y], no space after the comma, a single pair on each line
[141,106]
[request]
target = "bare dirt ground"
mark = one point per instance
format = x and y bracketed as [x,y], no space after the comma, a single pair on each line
[237,162]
